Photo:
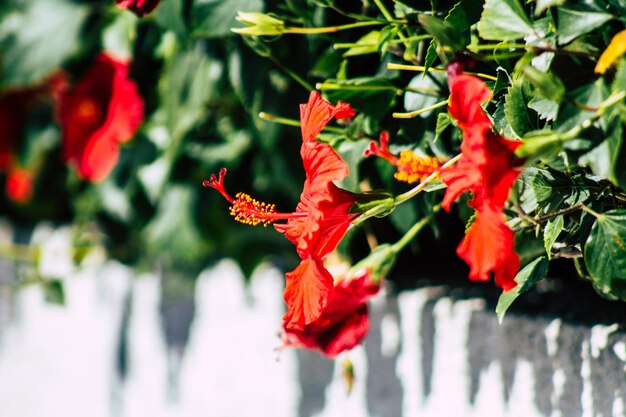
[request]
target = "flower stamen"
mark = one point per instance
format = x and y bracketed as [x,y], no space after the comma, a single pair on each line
[246,209]
[411,167]
[414,168]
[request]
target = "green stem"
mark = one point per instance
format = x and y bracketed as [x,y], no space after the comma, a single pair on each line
[414,230]
[420,187]
[489,47]
[554,214]
[331,29]
[389,17]
[330,86]
[416,113]
[292,122]
[292,74]
[593,213]
[17,252]
[423,68]
[393,41]
[383,10]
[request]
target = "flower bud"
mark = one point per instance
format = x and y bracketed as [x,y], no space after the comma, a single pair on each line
[378,203]
[259,24]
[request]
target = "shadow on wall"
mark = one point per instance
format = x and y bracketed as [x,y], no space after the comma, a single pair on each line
[126,345]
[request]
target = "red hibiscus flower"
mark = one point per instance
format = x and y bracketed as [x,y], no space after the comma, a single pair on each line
[102,111]
[488,168]
[15,106]
[320,220]
[343,323]
[12,116]
[19,186]
[139,7]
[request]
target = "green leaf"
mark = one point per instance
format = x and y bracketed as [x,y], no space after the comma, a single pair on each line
[604,158]
[619,82]
[605,253]
[539,144]
[431,56]
[551,232]
[547,85]
[170,16]
[504,20]
[502,81]
[172,235]
[543,5]
[426,92]
[215,18]
[38,38]
[516,110]
[574,23]
[588,95]
[187,84]
[54,292]
[458,20]
[443,120]
[369,95]
[352,153]
[464,14]
[117,37]
[367,44]
[546,109]
[528,277]
[401,10]
[444,33]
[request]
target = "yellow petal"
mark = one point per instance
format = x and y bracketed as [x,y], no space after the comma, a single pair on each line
[616,48]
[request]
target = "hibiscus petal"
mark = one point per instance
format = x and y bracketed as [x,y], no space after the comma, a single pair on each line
[307,292]
[459,178]
[98,158]
[316,114]
[344,322]
[467,93]
[488,245]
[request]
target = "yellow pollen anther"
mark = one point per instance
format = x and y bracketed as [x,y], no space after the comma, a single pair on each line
[247,210]
[413,168]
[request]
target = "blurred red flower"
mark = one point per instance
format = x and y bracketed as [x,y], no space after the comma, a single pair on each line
[101,111]
[19,186]
[343,323]
[139,7]
[488,168]
[15,106]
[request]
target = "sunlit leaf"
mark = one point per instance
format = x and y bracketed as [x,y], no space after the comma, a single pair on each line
[528,277]
[605,253]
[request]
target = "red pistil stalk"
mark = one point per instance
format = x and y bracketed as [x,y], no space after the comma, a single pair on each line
[381,151]
[246,209]
[411,167]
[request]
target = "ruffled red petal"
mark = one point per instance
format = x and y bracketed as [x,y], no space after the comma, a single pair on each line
[308,289]
[317,112]
[488,168]
[343,324]
[489,246]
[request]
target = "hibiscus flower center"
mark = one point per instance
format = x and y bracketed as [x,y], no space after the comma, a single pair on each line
[87,110]
[246,209]
[413,168]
